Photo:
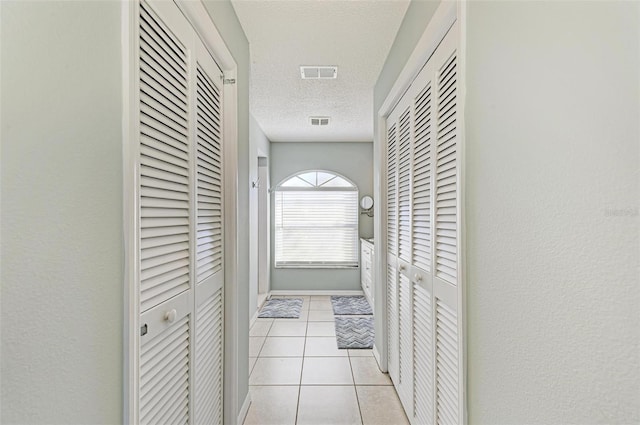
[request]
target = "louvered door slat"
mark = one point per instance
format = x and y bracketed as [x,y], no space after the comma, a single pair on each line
[392,322]
[209,165]
[422,355]
[446,173]
[164,170]
[405,381]
[404,186]
[162,40]
[392,235]
[164,376]
[208,403]
[422,180]
[447,362]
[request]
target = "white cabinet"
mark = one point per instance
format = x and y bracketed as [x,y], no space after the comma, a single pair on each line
[366,269]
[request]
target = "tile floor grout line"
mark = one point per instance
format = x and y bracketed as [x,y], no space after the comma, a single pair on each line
[355,388]
[301,371]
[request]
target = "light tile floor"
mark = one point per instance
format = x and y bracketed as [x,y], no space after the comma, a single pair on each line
[298,376]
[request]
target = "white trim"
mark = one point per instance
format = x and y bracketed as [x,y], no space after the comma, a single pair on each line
[462,266]
[231,211]
[242,415]
[284,292]
[377,356]
[129,42]
[201,21]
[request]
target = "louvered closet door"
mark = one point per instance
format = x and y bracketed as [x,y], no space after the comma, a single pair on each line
[421,98]
[446,284]
[405,325]
[424,294]
[209,296]
[166,282]
[180,222]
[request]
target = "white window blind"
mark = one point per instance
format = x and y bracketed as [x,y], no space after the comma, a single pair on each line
[316,221]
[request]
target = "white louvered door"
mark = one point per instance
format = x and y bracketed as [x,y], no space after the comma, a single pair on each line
[209,294]
[405,378]
[423,205]
[446,284]
[180,222]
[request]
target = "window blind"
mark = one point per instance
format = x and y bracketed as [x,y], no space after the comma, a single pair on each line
[316,227]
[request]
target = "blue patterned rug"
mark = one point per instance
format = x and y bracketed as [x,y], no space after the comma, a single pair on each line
[350,305]
[354,332]
[281,308]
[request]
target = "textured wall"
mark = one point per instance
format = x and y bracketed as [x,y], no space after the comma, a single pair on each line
[552,212]
[62,252]
[352,160]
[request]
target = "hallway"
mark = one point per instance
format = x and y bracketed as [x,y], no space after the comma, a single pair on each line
[298,376]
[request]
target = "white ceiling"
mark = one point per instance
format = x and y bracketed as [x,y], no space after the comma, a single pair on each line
[355,35]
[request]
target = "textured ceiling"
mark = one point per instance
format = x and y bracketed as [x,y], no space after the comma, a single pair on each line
[355,35]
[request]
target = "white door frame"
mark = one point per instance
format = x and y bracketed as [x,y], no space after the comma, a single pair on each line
[264,284]
[199,18]
[445,16]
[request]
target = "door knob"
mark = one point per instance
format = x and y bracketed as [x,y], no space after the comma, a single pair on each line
[417,277]
[170,315]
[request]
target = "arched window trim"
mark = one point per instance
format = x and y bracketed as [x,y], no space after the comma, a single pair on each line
[280,186]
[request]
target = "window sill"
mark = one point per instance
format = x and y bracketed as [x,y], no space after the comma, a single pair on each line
[316,266]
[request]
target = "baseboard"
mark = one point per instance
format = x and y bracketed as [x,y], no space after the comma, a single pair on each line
[376,354]
[254,317]
[261,300]
[286,292]
[244,410]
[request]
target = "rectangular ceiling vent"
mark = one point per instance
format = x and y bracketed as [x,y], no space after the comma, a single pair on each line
[319,72]
[319,121]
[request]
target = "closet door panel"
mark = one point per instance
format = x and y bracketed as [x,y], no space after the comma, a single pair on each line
[393,322]
[164,162]
[209,236]
[404,185]
[447,293]
[423,364]
[165,352]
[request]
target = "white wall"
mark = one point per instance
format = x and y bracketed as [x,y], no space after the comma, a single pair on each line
[552,173]
[258,146]
[62,245]
[352,160]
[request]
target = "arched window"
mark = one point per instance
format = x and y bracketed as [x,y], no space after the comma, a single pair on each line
[316,221]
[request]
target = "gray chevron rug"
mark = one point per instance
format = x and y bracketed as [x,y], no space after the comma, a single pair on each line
[281,308]
[349,305]
[354,332]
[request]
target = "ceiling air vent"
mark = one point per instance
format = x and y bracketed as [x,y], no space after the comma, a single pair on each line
[319,121]
[318,72]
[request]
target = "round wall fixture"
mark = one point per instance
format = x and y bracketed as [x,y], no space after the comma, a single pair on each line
[366,205]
